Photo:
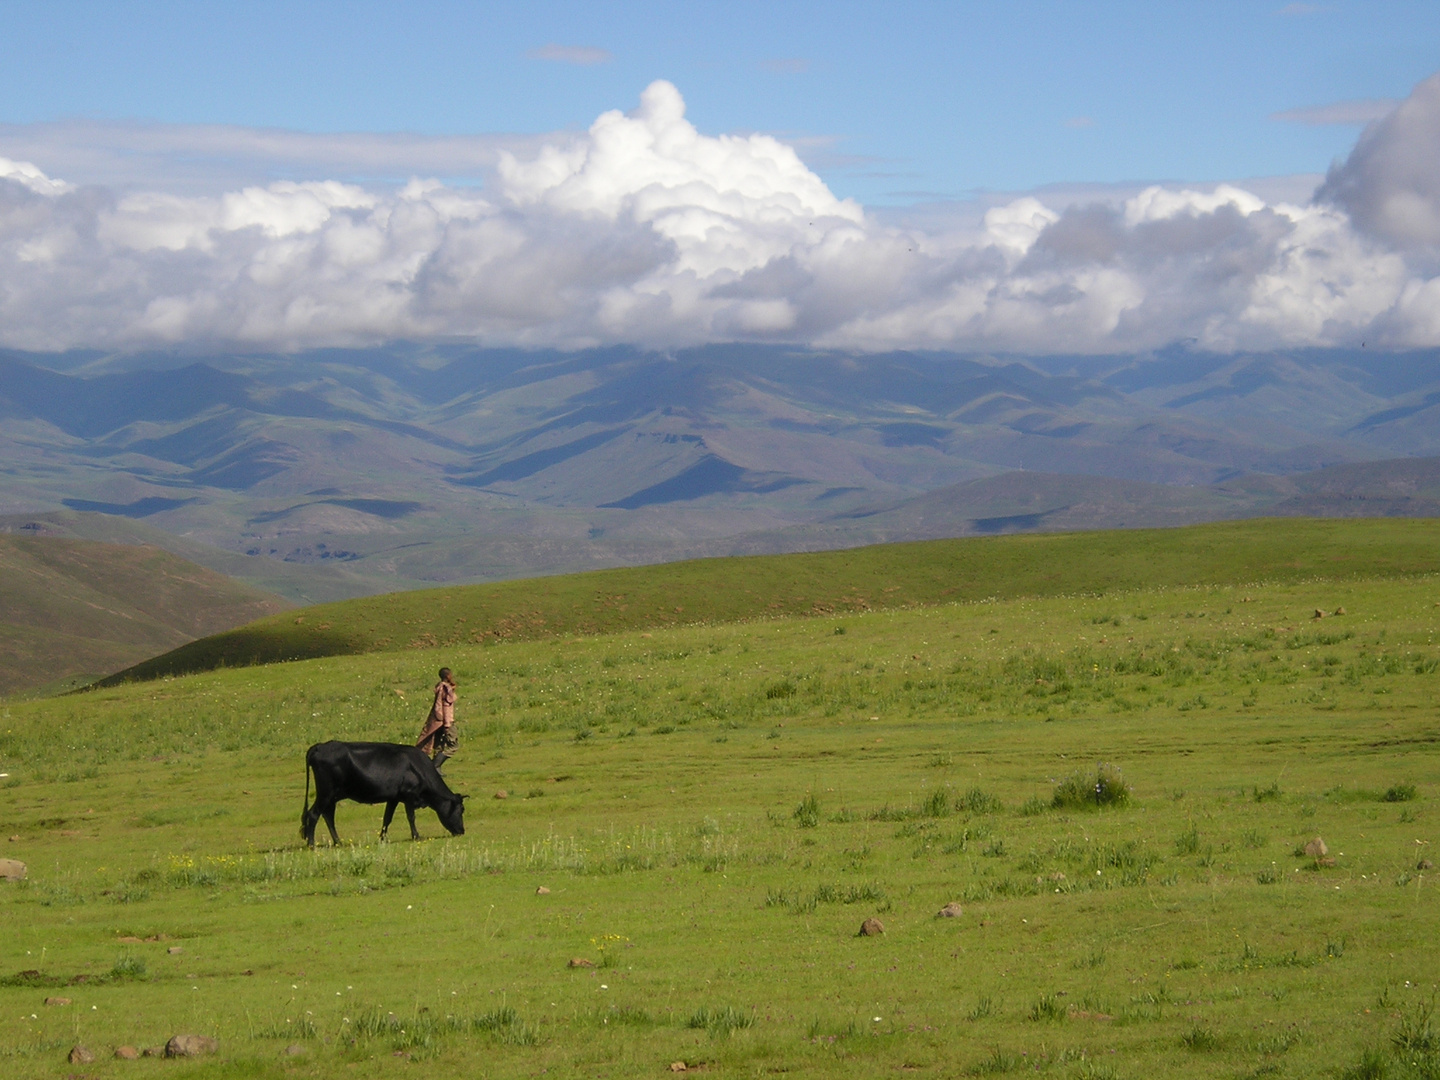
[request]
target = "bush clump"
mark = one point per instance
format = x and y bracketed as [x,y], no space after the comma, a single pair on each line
[807,814]
[1104,787]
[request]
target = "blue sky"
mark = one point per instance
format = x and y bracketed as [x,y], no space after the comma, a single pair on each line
[890,103]
[1022,177]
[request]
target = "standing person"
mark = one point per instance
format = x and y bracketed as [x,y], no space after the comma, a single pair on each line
[438,738]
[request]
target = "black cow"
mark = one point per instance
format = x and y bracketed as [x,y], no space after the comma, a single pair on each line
[373,772]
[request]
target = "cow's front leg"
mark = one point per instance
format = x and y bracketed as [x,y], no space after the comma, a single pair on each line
[410,813]
[389,814]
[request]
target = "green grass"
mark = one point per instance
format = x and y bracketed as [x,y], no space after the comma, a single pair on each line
[718,887]
[832,585]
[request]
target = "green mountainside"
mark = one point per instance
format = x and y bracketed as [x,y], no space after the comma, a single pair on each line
[823,583]
[71,610]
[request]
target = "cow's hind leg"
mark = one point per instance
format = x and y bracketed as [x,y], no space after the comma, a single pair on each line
[410,813]
[329,813]
[389,814]
[308,821]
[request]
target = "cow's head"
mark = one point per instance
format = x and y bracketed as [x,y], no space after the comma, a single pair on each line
[452,814]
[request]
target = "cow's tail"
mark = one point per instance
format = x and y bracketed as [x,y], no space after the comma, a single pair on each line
[305,809]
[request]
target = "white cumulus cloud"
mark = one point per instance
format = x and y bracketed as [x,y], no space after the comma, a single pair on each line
[645,230]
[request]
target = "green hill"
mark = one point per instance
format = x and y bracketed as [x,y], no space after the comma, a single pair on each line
[675,835]
[71,610]
[823,583]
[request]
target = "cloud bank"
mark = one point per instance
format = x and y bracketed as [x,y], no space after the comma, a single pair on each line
[644,230]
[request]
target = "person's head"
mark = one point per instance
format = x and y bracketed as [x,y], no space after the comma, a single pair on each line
[445,676]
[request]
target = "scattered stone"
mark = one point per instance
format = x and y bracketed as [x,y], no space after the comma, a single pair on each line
[1058,875]
[12,870]
[1325,861]
[191,1046]
[871,927]
[127,1053]
[1424,864]
[677,1066]
[1339,611]
[247,971]
[175,950]
[542,891]
[1316,848]
[952,910]
[502,794]
[1318,614]
[80,1056]
[295,1050]
[57,1001]
[15,839]
[580,962]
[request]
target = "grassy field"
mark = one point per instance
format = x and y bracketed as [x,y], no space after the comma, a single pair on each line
[715,810]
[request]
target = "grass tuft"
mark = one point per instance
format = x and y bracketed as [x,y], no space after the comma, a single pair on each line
[719,1022]
[1049,1009]
[807,814]
[1104,787]
[1200,1040]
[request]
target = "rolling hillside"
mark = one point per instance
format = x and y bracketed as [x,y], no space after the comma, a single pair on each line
[72,610]
[822,584]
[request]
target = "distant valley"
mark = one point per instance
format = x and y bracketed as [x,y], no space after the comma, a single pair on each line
[336,473]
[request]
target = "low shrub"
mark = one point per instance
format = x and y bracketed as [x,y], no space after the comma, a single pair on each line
[1104,787]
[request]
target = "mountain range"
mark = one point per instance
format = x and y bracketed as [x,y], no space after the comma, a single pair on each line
[339,472]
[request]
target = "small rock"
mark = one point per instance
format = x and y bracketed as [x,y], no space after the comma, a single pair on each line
[1318,614]
[871,927]
[542,891]
[191,1046]
[1339,611]
[175,950]
[15,839]
[952,910]
[12,870]
[295,1050]
[580,962]
[1325,860]
[502,794]
[127,1053]
[678,1066]
[1316,848]
[1424,864]
[80,1056]
[57,1001]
